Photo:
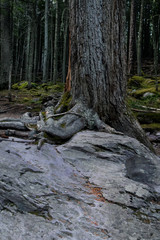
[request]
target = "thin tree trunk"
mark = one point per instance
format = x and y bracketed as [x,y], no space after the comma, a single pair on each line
[132,44]
[39,64]
[52,49]
[35,55]
[32,42]
[65,46]
[55,61]
[16,53]
[22,61]
[156,48]
[27,49]
[139,41]
[30,60]
[68,78]
[45,62]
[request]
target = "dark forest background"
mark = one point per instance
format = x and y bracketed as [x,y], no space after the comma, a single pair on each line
[35,40]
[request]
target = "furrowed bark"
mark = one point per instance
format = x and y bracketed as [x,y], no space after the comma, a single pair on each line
[98,62]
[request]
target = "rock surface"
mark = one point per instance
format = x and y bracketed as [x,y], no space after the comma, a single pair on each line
[96,186]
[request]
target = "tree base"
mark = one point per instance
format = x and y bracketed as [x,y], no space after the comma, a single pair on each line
[62,126]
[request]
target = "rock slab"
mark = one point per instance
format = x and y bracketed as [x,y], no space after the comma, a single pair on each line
[96,186]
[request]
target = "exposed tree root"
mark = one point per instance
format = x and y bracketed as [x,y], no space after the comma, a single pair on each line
[61,126]
[71,122]
[13,125]
[21,134]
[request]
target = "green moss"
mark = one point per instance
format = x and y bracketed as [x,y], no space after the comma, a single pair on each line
[59,87]
[138,85]
[135,81]
[54,139]
[140,92]
[152,126]
[23,85]
[43,114]
[152,101]
[25,99]
[64,104]
[47,136]
[63,125]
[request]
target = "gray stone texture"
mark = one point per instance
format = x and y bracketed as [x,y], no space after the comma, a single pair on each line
[96,186]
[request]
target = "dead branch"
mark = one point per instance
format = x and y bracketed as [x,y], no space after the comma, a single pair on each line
[16,140]
[13,125]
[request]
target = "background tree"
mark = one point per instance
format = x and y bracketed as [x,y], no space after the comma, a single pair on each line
[55,62]
[156,35]
[6,43]
[139,41]
[132,38]
[29,45]
[46,47]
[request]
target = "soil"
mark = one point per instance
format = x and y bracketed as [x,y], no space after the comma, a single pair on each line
[12,109]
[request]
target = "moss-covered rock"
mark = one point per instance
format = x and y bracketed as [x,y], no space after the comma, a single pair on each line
[139,85]
[59,87]
[23,85]
[140,92]
[135,82]
[25,99]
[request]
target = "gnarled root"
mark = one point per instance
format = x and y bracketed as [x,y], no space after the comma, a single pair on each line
[71,122]
[61,126]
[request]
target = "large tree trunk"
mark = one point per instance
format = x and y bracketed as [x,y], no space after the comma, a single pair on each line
[98,62]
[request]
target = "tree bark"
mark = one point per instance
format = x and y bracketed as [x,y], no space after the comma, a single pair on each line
[139,42]
[68,78]
[55,58]
[28,37]
[65,48]
[98,62]
[6,42]
[45,62]
[132,40]
[156,38]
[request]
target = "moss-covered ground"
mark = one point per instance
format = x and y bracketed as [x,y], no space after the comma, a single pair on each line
[145,107]
[33,97]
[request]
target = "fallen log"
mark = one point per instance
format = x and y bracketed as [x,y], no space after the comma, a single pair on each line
[16,140]
[13,125]
[27,121]
[30,134]
[145,110]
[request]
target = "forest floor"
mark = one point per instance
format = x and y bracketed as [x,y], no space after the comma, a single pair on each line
[12,109]
[23,100]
